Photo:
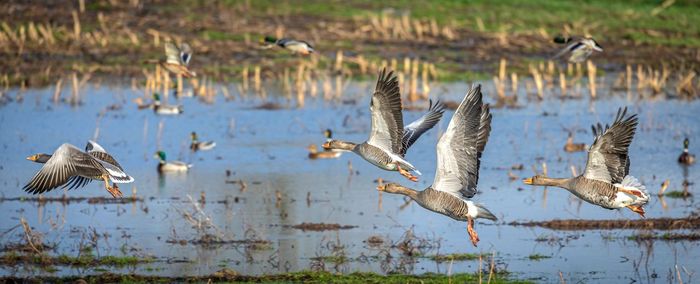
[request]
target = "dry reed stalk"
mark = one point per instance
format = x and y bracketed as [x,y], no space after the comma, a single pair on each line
[591,78]
[32,32]
[492,266]
[406,65]
[156,36]
[257,83]
[480,24]
[641,79]
[339,60]
[338,86]
[179,85]
[502,70]
[244,78]
[500,87]
[166,86]
[300,86]
[327,88]
[362,64]
[76,25]
[562,83]
[286,86]
[684,86]
[401,78]
[538,82]
[29,234]
[579,70]
[57,91]
[394,65]
[313,87]
[514,83]
[227,95]
[425,90]
[10,33]
[76,90]
[628,76]
[413,88]
[569,69]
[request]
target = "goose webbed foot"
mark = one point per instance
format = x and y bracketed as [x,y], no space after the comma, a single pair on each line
[473,236]
[637,209]
[113,190]
[407,174]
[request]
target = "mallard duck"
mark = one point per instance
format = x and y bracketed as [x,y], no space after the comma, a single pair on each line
[579,48]
[175,166]
[605,181]
[177,59]
[686,158]
[196,145]
[70,167]
[389,140]
[296,46]
[570,146]
[315,154]
[160,108]
[457,173]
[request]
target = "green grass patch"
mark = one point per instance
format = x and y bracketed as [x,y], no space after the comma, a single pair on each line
[677,194]
[455,257]
[538,257]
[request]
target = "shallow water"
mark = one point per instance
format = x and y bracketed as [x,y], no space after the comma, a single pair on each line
[266,150]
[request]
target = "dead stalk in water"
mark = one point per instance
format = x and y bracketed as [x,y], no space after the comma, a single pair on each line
[591,78]
[57,91]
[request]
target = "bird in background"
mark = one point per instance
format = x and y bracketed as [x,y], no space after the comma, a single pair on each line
[177,60]
[295,46]
[578,49]
[686,157]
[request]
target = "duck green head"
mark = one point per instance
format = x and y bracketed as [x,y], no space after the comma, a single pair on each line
[156,97]
[270,39]
[160,155]
[194,136]
[328,133]
[561,39]
[686,142]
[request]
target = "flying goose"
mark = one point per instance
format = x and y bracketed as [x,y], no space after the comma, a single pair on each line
[457,169]
[389,140]
[70,167]
[578,48]
[605,181]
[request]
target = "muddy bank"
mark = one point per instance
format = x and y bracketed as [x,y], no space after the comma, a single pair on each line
[305,276]
[648,224]
[321,227]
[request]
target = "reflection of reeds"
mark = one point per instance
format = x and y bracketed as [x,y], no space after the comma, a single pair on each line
[514,83]
[562,83]
[57,91]
[684,86]
[537,76]
[591,78]
[257,83]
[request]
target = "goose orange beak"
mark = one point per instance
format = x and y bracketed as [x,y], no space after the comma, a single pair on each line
[381,187]
[527,181]
[326,145]
[32,158]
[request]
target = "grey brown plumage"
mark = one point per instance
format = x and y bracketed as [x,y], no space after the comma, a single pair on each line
[457,170]
[68,166]
[389,139]
[606,181]
[387,120]
[608,158]
[413,131]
